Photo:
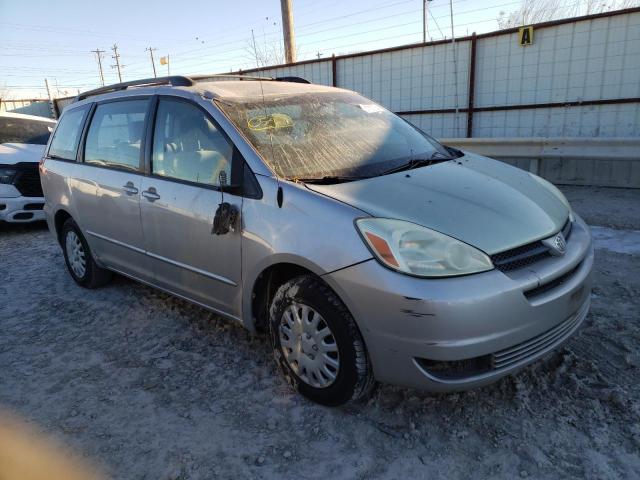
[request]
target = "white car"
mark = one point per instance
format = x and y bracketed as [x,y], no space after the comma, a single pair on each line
[22,142]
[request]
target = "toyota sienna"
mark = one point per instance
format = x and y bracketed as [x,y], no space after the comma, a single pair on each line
[367,249]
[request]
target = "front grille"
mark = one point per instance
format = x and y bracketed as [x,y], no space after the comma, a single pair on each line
[456,369]
[525,255]
[28,180]
[556,282]
[520,257]
[566,230]
[34,206]
[518,353]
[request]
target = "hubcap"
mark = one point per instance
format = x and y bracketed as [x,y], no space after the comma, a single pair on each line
[309,346]
[75,254]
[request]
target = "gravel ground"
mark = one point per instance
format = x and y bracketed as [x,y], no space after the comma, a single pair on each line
[148,386]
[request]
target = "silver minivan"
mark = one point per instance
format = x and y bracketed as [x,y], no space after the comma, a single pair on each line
[368,250]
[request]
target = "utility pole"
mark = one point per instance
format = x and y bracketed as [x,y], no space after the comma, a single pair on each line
[51,105]
[255,49]
[46,84]
[99,53]
[287,31]
[116,57]
[153,64]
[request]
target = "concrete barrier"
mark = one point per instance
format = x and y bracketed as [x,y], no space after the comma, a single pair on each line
[604,162]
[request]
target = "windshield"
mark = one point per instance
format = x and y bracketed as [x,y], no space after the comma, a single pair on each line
[21,130]
[328,134]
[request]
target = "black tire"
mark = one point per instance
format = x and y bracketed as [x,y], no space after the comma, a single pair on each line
[354,379]
[93,276]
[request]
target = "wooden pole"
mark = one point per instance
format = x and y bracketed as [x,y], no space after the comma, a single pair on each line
[287,31]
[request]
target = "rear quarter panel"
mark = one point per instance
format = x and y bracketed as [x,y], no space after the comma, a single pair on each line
[55,176]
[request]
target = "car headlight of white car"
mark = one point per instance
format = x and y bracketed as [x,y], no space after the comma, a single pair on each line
[416,250]
[7,174]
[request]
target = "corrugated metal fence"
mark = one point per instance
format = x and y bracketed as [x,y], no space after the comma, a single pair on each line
[579,78]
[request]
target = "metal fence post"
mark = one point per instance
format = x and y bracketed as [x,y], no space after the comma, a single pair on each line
[334,68]
[472,85]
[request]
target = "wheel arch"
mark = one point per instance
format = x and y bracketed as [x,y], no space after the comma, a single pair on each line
[261,289]
[264,287]
[59,219]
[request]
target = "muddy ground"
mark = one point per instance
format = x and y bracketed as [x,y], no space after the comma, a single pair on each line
[150,387]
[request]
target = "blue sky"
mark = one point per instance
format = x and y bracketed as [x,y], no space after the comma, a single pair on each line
[203,36]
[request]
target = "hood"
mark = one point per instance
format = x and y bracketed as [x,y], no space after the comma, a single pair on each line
[485,203]
[12,153]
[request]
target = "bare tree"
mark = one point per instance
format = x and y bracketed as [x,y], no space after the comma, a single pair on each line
[265,54]
[536,11]
[599,6]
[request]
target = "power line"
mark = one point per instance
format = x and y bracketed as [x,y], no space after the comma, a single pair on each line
[191,62]
[181,59]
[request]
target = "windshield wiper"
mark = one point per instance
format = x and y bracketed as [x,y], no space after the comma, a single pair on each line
[436,157]
[330,179]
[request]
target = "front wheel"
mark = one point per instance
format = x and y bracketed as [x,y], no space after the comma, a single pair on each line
[79,259]
[317,344]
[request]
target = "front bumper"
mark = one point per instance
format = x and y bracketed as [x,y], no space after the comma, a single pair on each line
[21,209]
[495,321]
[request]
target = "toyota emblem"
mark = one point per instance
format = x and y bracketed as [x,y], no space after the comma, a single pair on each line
[557,244]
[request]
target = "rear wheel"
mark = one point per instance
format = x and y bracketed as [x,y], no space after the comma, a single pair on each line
[78,258]
[317,344]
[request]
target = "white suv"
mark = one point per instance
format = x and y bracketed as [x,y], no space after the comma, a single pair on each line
[22,142]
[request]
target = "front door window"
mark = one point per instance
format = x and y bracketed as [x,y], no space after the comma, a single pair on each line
[188,146]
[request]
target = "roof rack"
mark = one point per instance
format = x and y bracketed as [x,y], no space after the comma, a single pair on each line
[174,81]
[292,79]
[200,78]
[178,81]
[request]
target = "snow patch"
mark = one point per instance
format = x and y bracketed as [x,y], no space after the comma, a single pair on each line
[619,241]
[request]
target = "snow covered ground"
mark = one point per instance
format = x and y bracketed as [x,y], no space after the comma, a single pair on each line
[620,241]
[149,387]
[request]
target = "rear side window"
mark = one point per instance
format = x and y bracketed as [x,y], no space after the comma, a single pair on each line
[187,145]
[115,134]
[65,141]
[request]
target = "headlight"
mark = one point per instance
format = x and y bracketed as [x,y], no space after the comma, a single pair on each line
[416,250]
[7,175]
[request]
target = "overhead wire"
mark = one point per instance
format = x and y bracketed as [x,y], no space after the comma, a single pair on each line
[223,56]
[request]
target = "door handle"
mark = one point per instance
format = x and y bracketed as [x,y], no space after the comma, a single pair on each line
[151,194]
[130,189]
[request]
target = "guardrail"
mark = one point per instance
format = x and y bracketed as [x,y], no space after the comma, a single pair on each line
[603,162]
